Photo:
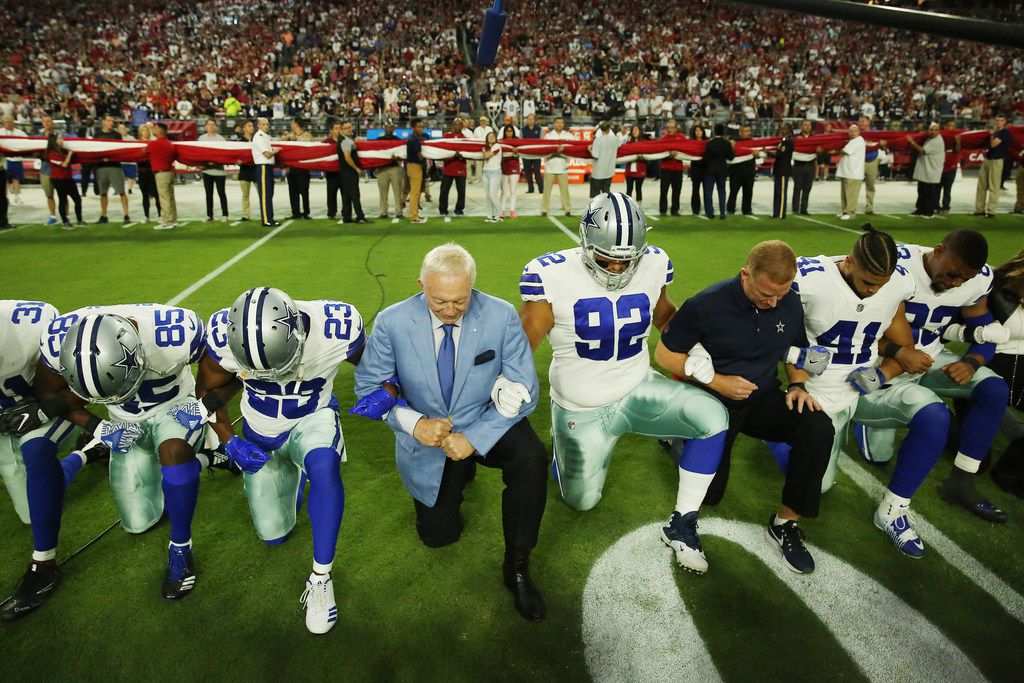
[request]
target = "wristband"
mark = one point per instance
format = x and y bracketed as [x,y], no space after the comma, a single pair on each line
[797,385]
[970,334]
[92,424]
[890,350]
[972,361]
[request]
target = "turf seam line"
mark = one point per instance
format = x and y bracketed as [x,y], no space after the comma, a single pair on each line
[828,225]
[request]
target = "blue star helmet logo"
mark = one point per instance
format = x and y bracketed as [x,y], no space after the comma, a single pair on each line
[129,360]
[290,320]
[588,219]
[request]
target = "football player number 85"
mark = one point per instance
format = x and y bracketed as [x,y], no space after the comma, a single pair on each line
[597,318]
[169,330]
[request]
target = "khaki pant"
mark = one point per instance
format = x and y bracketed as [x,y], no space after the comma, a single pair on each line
[1019,179]
[165,190]
[245,185]
[870,176]
[391,178]
[414,172]
[989,177]
[849,192]
[562,180]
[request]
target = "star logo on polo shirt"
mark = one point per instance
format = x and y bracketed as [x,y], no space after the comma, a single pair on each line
[781,327]
[588,219]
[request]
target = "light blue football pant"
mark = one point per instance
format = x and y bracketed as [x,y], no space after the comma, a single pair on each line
[887,409]
[879,444]
[135,476]
[273,491]
[12,466]
[658,407]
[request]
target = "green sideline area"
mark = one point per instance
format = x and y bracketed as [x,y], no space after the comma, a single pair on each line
[408,612]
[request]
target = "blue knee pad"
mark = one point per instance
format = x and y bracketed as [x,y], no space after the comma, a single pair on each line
[45,488]
[780,451]
[702,456]
[921,449]
[981,423]
[326,504]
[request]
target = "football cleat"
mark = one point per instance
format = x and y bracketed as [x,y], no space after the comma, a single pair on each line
[321,609]
[95,452]
[895,521]
[789,539]
[35,587]
[681,536]
[180,577]
[220,461]
[960,491]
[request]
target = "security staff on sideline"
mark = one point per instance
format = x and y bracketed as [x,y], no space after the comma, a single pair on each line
[742,170]
[298,178]
[782,170]
[803,172]
[263,157]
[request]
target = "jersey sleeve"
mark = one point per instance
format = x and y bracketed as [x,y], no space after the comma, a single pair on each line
[343,327]
[217,341]
[196,336]
[531,282]
[985,282]
[661,255]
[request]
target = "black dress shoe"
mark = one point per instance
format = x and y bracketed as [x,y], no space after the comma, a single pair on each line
[528,600]
[35,587]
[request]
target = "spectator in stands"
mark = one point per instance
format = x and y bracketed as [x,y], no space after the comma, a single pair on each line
[161,159]
[556,171]
[742,172]
[147,181]
[803,171]
[717,155]
[671,171]
[604,150]
[531,167]
[850,172]
[492,176]
[391,178]
[415,170]
[986,199]
[15,166]
[454,172]
[214,175]
[696,171]
[949,166]
[298,178]
[109,174]
[348,162]
[636,170]
[333,177]
[510,168]
[60,175]
[928,171]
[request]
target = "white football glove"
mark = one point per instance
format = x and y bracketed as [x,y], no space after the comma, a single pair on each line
[993,333]
[699,365]
[119,437]
[509,396]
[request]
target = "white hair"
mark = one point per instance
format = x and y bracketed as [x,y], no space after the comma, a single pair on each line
[448,259]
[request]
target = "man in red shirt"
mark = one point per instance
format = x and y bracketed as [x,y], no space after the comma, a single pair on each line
[671,171]
[949,166]
[161,158]
[453,171]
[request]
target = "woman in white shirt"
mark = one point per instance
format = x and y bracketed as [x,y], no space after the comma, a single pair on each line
[492,176]
[510,169]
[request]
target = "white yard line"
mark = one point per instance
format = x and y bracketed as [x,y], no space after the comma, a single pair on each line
[564,229]
[828,225]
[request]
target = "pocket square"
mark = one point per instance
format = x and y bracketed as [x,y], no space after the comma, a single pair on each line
[484,357]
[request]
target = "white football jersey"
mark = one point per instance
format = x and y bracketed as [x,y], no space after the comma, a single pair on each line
[22,324]
[930,311]
[850,327]
[599,339]
[334,332]
[172,340]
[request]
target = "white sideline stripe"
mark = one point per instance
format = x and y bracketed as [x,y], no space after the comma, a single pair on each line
[235,223]
[654,218]
[128,225]
[195,286]
[26,225]
[635,626]
[828,225]
[394,220]
[703,217]
[753,218]
[889,215]
[560,226]
[1009,599]
[447,219]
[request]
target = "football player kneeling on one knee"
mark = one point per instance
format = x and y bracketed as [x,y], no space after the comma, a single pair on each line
[596,304]
[286,354]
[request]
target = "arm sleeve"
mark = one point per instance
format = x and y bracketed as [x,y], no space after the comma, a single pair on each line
[685,329]
[531,283]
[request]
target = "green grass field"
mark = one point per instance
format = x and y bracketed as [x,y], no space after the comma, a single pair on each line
[408,612]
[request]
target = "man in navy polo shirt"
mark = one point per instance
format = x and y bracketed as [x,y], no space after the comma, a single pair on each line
[748,324]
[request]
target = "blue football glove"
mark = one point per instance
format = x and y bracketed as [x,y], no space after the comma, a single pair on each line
[866,379]
[249,457]
[119,437]
[813,359]
[377,404]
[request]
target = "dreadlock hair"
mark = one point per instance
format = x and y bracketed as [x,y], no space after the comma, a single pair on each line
[970,246]
[875,251]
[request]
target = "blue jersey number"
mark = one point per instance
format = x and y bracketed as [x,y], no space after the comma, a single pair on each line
[57,330]
[31,311]
[152,393]
[919,315]
[596,322]
[840,337]
[809,265]
[338,324]
[267,398]
[550,259]
[169,328]
[218,329]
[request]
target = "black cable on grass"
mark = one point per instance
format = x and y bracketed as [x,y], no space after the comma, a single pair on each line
[377,277]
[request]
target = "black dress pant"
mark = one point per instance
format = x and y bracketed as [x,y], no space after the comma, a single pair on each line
[298,192]
[711,183]
[635,184]
[89,172]
[333,188]
[927,198]
[741,177]
[803,181]
[460,194]
[66,189]
[696,188]
[809,434]
[350,196]
[531,169]
[147,185]
[209,183]
[523,462]
[946,185]
[779,194]
[670,179]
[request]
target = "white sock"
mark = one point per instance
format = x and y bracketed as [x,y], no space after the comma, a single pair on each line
[204,462]
[183,545]
[322,569]
[966,463]
[779,521]
[44,555]
[890,498]
[692,489]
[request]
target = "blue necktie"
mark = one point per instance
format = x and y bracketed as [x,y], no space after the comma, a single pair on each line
[446,364]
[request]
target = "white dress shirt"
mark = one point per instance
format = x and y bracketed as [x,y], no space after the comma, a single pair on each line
[261,144]
[407,417]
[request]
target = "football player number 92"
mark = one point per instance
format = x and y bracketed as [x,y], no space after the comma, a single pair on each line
[597,318]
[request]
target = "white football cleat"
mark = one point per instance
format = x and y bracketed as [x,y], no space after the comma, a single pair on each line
[895,521]
[321,609]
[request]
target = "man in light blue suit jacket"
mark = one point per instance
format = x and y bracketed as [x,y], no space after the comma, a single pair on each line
[467,376]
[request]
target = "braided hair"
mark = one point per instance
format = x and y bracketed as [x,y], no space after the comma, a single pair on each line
[875,251]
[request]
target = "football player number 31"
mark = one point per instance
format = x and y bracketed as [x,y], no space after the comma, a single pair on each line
[598,318]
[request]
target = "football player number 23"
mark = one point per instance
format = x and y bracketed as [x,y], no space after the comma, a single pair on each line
[600,322]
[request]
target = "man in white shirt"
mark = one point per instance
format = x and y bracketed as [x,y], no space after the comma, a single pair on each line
[604,149]
[556,169]
[476,166]
[850,172]
[931,154]
[15,167]
[263,154]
